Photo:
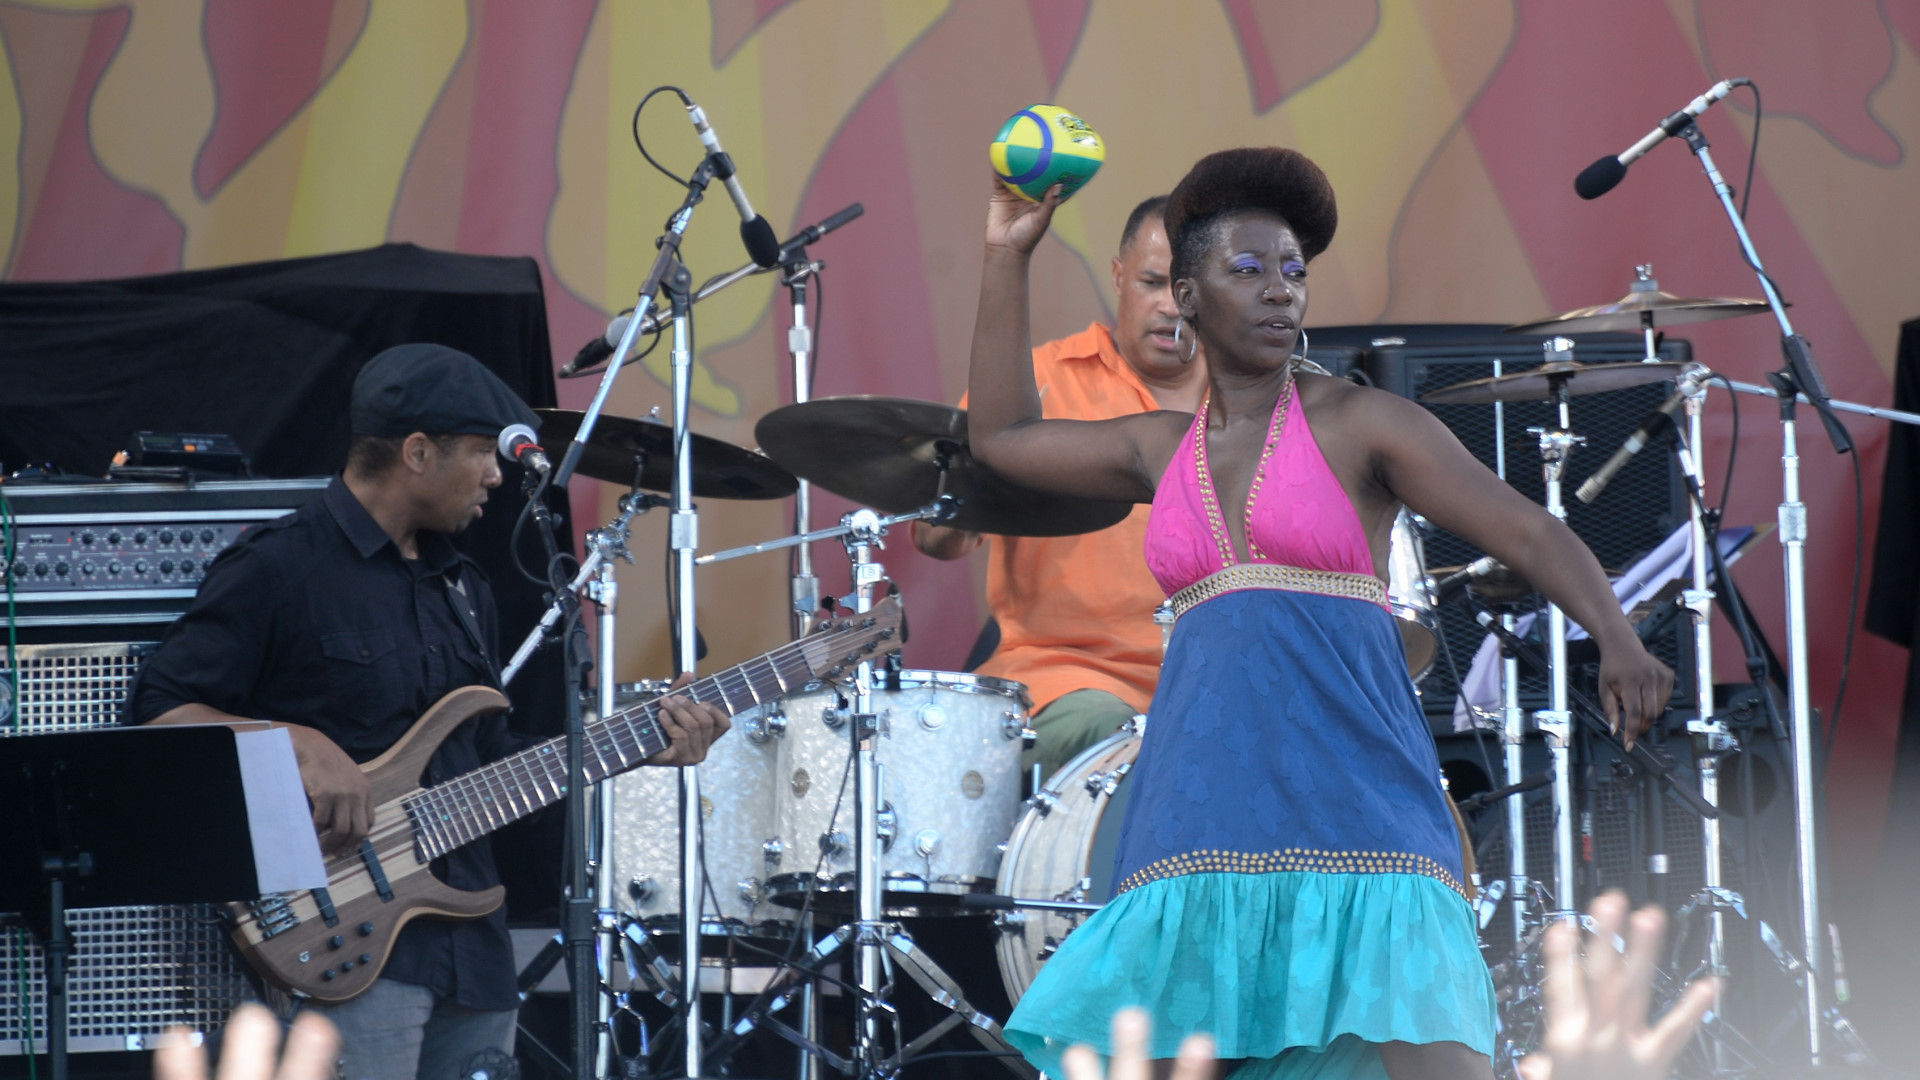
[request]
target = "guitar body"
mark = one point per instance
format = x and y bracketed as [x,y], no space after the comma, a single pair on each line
[330,944]
[291,941]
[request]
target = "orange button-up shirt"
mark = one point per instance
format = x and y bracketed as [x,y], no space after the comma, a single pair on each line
[1076,612]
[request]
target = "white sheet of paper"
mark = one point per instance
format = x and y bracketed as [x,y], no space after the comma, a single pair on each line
[286,853]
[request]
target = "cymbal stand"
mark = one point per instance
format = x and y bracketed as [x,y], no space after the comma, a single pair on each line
[1556,723]
[1513,732]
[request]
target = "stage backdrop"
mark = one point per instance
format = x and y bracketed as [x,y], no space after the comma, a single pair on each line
[156,135]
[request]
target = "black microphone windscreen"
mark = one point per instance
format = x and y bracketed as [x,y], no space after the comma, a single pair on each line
[762,246]
[1599,178]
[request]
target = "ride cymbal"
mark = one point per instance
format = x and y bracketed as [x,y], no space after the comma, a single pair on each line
[889,453]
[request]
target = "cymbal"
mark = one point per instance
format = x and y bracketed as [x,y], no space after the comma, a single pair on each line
[721,470]
[1537,384]
[885,453]
[1630,314]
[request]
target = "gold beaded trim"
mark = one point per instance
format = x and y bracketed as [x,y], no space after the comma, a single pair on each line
[1285,578]
[1216,517]
[1306,860]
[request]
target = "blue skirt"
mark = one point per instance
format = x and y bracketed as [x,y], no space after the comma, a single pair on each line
[1289,878]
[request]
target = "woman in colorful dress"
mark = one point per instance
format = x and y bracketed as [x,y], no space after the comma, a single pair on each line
[1290,877]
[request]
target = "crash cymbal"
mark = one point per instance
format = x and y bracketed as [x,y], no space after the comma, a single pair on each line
[1644,306]
[1538,384]
[721,470]
[887,452]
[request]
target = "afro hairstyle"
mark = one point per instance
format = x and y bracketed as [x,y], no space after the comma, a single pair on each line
[1270,178]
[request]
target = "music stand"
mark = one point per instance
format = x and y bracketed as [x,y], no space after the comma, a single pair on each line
[139,816]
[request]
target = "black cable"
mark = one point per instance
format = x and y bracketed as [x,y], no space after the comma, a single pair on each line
[1753,149]
[1853,610]
[1733,448]
[519,527]
[684,100]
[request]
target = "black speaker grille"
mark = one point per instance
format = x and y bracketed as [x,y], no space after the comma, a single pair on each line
[1639,509]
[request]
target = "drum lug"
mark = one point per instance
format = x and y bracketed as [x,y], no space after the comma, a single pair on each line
[1137,725]
[772,850]
[889,825]
[641,889]
[932,717]
[835,716]
[1014,726]
[835,844]
[750,891]
[764,727]
[1010,922]
[1043,801]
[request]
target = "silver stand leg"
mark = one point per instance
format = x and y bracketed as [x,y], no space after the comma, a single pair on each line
[870,942]
[806,586]
[1556,723]
[809,1028]
[605,593]
[684,539]
[1513,729]
[1514,735]
[1793,537]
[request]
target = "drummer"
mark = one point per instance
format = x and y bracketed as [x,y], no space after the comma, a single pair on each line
[1076,612]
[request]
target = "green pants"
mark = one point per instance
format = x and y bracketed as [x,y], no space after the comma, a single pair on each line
[1070,724]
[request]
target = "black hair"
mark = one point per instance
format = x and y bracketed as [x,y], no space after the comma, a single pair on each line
[1148,208]
[373,455]
[1270,178]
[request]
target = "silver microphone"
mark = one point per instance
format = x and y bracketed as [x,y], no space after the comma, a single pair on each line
[755,233]
[1600,177]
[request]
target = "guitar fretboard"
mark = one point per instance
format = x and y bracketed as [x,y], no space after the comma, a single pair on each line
[474,804]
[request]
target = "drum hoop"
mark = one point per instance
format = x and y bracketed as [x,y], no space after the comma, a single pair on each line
[964,682]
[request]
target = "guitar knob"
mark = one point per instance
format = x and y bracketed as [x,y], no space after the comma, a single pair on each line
[366,929]
[366,958]
[336,941]
[347,966]
[327,975]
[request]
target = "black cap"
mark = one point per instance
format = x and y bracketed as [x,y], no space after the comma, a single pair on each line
[436,390]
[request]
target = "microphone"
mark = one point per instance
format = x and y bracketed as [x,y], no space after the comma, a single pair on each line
[755,233]
[518,443]
[1601,177]
[1473,571]
[811,233]
[1654,426]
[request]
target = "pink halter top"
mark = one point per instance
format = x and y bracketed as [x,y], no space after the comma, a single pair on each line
[1297,512]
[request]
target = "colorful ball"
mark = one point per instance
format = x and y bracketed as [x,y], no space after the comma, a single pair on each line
[1044,145]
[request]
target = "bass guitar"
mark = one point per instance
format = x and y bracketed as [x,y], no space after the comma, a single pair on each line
[330,944]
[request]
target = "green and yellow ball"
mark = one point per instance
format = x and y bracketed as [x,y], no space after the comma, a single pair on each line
[1044,145]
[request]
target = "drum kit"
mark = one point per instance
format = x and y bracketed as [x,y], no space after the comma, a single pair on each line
[899,794]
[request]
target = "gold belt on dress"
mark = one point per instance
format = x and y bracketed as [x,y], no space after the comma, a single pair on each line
[1274,576]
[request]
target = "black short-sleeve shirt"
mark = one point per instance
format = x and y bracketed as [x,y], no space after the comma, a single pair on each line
[316,619]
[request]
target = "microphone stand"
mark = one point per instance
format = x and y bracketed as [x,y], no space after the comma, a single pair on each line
[1798,376]
[577,920]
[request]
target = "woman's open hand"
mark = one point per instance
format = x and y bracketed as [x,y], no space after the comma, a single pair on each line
[1014,223]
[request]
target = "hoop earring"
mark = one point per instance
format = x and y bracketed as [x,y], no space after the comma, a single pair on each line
[1303,344]
[1190,353]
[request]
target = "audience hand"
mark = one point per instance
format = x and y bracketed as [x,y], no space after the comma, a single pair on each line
[1130,1030]
[1597,1011]
[250,1049]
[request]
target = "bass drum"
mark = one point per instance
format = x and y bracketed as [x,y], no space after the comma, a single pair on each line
[1064,848]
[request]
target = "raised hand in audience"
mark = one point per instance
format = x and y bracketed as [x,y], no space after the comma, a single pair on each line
[250,1050]
[1130,1030]
[1597,1010]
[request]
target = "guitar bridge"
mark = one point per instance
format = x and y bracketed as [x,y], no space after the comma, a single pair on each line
[273,915]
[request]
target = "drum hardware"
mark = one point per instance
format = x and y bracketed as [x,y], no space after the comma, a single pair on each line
[879,946]
[639,454]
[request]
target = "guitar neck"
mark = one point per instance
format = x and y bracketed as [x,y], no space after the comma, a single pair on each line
[474,804]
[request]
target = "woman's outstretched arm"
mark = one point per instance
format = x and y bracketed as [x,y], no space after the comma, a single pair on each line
[1117,459]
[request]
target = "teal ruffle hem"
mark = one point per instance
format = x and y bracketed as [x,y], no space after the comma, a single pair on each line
[1294,971]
